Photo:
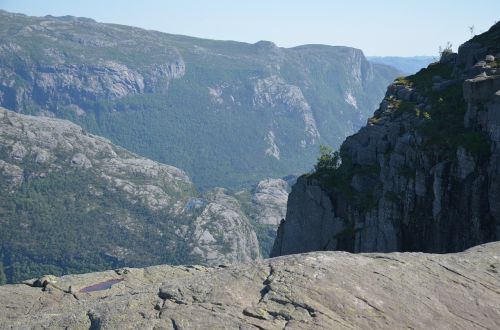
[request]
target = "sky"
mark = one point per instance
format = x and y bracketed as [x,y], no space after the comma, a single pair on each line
[379,28]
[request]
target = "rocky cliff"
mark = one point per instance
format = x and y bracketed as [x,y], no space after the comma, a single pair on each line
[423,175]
[320,290]
[72,202]
[230,114]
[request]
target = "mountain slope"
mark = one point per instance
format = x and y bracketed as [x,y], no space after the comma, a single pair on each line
[321,290]
[423,175]
[72,202]
[228,113]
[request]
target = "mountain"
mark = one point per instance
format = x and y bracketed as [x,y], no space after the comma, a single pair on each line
[407,65]
[228,113]
[73,202]
[321,290]
[423,175]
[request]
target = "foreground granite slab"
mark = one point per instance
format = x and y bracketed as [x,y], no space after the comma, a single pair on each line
[320,290]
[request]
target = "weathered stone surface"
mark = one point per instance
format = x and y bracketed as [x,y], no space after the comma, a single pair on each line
[313,225]
[481,88]
[321,290]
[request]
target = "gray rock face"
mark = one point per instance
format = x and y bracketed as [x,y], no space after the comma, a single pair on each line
[222,226]
[57,77]
[314,222]
[321,290]
[273,90]
[421,176]
[270,197]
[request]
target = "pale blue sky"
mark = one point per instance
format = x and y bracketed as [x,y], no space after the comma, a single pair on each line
[384,27]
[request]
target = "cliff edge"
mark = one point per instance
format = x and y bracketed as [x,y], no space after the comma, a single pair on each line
[320,290]
[423,175]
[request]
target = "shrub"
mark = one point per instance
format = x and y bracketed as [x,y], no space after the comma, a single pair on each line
[446,50]
[328,159]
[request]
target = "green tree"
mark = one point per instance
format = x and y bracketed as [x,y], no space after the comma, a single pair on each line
[328,159]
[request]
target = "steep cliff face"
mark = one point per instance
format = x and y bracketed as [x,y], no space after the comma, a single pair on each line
[230,114]
[423,175]
[49,62]
[72,202]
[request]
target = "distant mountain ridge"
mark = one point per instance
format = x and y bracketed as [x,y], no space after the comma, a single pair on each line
[405,64]
[228,113]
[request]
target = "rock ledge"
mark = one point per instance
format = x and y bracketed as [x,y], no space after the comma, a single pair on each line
[320,290]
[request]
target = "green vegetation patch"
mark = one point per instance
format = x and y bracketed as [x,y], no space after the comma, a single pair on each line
[58,225]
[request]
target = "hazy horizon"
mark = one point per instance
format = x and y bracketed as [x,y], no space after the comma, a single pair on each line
[388,29]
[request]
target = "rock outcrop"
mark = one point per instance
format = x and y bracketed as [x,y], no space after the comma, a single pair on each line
[423,175]
[74,202]
[320,290]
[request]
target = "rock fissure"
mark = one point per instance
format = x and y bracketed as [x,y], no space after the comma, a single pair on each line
[468,320]
[369,304]
[174,324]
[387,258]
[95,322]
[455,272]
[311,311]
[267,284]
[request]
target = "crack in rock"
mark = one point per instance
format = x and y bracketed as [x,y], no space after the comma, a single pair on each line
[95,322]
[174,324]
[369,304]
[267,284]
[311,311]
[387,258]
